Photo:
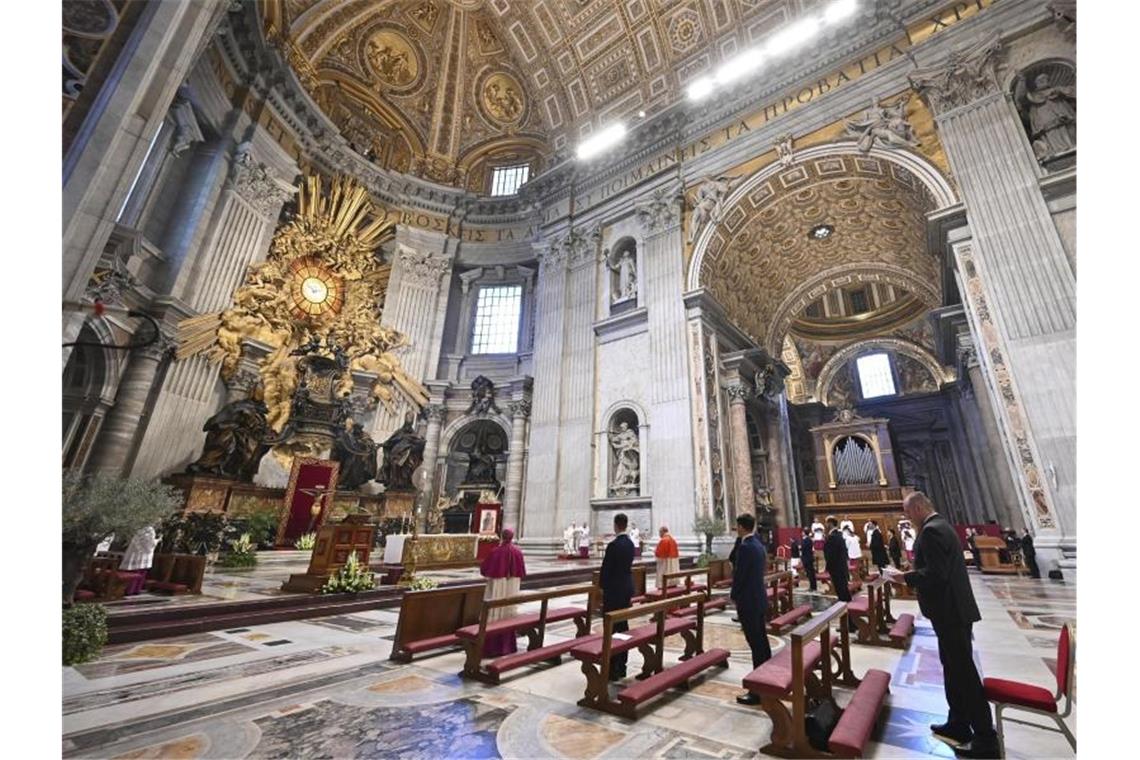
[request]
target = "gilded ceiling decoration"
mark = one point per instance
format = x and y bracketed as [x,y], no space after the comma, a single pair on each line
[765,267]
[322,283]
[452,81]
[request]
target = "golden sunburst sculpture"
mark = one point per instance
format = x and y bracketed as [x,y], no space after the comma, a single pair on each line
[321,282]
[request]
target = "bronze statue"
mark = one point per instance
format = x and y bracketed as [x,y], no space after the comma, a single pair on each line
[403,453]
[480,467]
[356,452]
[235,441]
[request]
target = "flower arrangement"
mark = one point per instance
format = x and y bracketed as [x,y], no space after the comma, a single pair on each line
[419,583]
[243,553]
[306,542]
[350,578]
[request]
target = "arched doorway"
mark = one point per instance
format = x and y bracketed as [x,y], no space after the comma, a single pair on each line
[476,459]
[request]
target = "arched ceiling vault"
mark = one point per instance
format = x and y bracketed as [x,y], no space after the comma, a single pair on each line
[471,77]
[762,265]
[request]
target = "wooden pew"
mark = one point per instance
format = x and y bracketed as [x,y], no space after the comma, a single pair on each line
[867,611]
[720,573]
[798,672]
[429,619]
[898,630]
[823,581]
[712,603]
[533,625]
[176,574]
[638,572]
[649,640]
[779,585]
[990,552]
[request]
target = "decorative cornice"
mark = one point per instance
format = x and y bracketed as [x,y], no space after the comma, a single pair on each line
[966,76]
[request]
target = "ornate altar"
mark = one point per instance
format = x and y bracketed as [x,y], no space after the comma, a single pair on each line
[433,551]
[854,458]
[333,546]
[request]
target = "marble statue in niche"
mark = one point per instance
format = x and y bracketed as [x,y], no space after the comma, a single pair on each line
[625,474]
[622,262]
[1050,111]
[886,125]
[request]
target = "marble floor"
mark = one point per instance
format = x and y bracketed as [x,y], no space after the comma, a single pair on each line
[324,688]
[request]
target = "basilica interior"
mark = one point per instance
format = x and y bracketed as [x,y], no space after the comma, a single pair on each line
[353,289]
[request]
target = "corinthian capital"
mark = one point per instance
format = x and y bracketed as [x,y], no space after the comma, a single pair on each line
[423,269]
[966,75]
[661,211]
[257,184]
[519,409]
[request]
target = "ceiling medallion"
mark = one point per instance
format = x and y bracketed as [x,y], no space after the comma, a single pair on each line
[820,232]
[393,59]
[502,98]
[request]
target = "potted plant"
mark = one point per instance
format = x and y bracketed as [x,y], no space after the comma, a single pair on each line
[97,506]
[242,553]
[306,542]
[709,527]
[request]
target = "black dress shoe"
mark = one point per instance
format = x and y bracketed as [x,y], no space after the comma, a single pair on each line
[984,748]
[748,699]
[735,619]
[956,734]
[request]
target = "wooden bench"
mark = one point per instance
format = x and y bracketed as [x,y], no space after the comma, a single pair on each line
[176,574]
[778,625]
[779,592]
[854,585]
[787,681]
[429,619]
[638,572]
[649,640]
[712,603]
[102,580]
[720,573]
[533,625]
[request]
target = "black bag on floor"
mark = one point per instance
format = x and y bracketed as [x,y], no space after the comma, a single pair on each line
[822,715]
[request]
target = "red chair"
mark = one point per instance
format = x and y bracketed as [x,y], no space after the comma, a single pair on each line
[1015,695]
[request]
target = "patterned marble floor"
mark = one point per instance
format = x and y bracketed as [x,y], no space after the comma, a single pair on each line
[324,688]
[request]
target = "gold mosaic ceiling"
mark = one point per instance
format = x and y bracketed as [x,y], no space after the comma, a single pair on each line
[442,88]
[765,269]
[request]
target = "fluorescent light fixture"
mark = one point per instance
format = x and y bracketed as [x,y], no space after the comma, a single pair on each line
[792,36]
[839,10]
[700,88]
[739,66]
[600,141]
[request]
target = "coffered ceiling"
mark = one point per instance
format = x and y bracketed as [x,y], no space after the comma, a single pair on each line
[443,88]
[765,267]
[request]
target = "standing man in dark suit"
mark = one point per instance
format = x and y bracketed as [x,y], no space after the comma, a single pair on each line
[878,548]
[945,597]
[616,580]
[835,559]
[750,595]
[807,557]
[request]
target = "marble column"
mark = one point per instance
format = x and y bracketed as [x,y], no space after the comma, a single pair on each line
[541,490]
[242,229]
[778,442]
[742,492]
[671,466]
[435,413]
[993,451]
[105,156]
[1019,288]
[416,305]
[516,458]
[121,425]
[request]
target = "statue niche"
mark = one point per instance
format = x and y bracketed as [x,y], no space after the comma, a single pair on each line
[474,457]
[625,454]
[1046,98]
[621,262]
[236,440]
[403,453]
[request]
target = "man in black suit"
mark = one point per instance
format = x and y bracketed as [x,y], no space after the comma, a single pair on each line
[945,597]
[878,548]
[835,559]
[807,557]
[616,580]
[750,595]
